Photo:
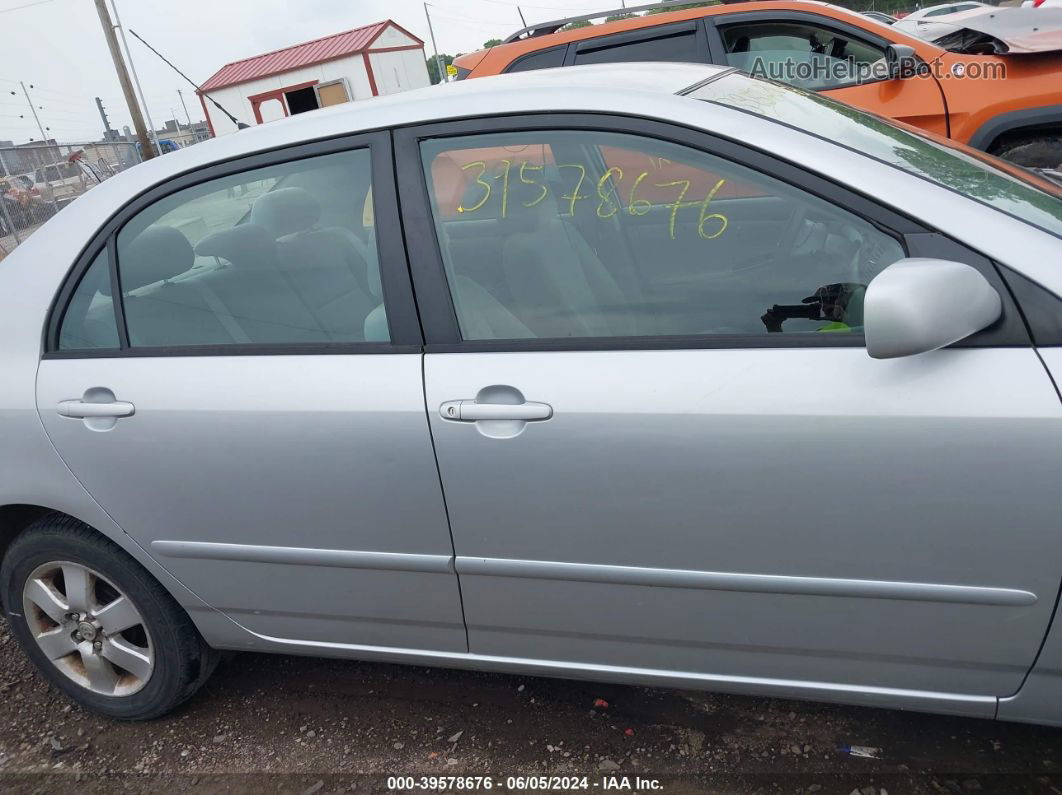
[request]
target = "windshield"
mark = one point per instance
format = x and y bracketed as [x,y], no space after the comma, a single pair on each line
[992,182]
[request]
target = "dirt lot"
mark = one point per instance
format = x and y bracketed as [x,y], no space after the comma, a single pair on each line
[289,724]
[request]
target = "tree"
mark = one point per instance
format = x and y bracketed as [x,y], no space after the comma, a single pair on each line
[582,23]
[433,66]
[616,17]
[491,43]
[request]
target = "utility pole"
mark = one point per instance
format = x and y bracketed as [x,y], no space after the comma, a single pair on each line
[136,80]
[147,152]
[44,141]
[438,61]
[106,122]
[108,133]
[33,110]
[185,108]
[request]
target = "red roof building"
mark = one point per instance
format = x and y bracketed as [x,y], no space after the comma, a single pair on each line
[382,58]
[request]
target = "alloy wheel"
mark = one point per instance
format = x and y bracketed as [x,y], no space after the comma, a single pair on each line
[88,628]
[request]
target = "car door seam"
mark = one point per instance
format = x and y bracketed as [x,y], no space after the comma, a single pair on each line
[442,493]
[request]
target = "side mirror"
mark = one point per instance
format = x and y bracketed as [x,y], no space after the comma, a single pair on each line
[920,305]
[901,61]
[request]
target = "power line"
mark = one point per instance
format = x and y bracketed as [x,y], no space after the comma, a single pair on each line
[26,5]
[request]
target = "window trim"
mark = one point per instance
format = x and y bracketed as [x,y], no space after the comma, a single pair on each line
[438,316]
[640,35]
[718,47]
[403,324]
[565,56]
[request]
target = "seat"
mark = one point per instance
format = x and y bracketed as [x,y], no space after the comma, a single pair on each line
[160,311]
[558,285]
[327,270]
[256,293]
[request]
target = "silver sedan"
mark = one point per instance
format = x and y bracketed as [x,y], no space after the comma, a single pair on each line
[642,373]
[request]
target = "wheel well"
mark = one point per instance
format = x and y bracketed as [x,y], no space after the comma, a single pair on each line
[1009,137]
[16,518]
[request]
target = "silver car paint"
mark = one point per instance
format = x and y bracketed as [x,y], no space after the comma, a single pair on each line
[918,305]
[294,455]
[1041,694]
[31,471]
[720,476]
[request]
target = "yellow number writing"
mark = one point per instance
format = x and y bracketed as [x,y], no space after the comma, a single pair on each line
[504,177]
[574,196]
[705,216]
[634,205]
[479,181]
[675,205]
[526,165]
[613,208]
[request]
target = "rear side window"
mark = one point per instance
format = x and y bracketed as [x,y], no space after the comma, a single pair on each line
[278,255]
[664,44]
[89,322]
[544,59]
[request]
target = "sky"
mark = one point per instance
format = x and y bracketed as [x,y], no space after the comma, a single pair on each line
[57,46]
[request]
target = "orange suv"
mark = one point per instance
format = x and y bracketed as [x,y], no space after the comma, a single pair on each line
[995,84]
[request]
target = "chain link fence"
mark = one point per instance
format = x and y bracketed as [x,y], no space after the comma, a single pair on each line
[38,180]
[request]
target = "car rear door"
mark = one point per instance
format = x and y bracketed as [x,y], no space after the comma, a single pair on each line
[820,53]
[665,450]
[251,411]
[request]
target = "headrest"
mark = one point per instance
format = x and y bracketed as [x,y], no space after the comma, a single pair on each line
[520,217]
[285,211]
[157,253]
[242,245]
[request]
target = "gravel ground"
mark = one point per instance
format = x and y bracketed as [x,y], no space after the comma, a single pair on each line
[303,725]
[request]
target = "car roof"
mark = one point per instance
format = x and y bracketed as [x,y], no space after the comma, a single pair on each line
[499,57]
[607,87]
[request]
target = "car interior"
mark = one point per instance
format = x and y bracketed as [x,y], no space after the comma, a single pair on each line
[298,266]
[706,247]
[649,272]
[819,58]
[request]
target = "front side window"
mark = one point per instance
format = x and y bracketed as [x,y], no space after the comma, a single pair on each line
[801,54]
[566,234]
[281,254]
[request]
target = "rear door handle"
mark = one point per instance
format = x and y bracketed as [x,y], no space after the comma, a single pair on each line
[84,410]
[471,411]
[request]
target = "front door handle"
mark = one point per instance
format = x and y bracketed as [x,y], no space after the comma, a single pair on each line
[471,411]
[84,410]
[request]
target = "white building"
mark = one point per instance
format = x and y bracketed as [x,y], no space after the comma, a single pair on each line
[370,61]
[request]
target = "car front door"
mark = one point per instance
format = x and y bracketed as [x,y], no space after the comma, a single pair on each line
[251,414]
[664,448]
[819,53]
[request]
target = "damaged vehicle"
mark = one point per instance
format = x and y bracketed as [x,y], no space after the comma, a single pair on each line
[995,84]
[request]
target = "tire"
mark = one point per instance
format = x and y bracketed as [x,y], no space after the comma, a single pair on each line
[1035,152]
[168,661]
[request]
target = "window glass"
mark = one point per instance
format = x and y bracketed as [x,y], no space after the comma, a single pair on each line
[282,254]
[676,46]
[1007,188]
[809,56]
[544,59]
[594,234]
[89,321]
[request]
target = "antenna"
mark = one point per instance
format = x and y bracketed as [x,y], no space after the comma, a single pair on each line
[239,124]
